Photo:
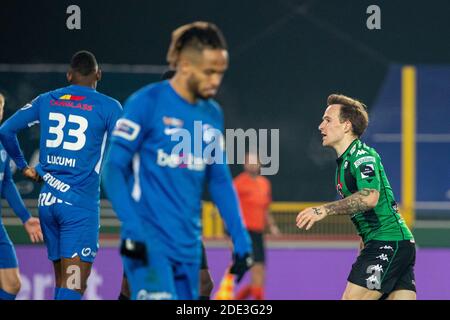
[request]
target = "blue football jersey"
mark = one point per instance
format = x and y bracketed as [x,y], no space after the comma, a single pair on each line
[8,189]
[177,148]
[74,124]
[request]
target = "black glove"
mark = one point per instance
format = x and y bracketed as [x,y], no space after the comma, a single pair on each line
[134,250]
[240,266]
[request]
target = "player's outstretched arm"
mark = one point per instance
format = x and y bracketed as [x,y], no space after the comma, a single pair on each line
[360,201]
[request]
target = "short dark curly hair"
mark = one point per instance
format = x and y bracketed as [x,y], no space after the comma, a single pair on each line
[84,63]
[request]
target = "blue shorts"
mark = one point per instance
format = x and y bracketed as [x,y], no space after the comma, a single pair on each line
[69,230]
[8,257]
[162,278]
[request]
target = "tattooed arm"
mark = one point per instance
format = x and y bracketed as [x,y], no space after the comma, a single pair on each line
[360,201]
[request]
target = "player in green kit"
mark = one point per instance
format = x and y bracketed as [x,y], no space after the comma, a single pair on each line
[385,265]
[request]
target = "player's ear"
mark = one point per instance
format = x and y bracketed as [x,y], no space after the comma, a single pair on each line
[348,126]
[69,76]
[98,74]
[184,66]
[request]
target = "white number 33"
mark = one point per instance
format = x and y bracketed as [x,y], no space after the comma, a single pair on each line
[57,130]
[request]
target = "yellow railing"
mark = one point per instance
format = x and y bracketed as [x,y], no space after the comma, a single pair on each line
[284,213]
[213,225]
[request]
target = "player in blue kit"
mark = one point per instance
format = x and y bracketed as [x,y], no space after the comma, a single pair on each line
[206,281]
[171,132]
[74,124]
[9,271]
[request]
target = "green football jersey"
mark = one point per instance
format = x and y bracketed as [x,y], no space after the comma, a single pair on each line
[360,167]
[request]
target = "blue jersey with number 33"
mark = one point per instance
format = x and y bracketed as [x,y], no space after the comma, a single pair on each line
[74,124]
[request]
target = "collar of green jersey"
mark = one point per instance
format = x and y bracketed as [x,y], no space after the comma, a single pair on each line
[354,142]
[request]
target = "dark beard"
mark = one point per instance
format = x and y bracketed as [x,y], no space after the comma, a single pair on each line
[193,85]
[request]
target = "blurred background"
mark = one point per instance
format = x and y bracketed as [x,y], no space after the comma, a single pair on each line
[286,57]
